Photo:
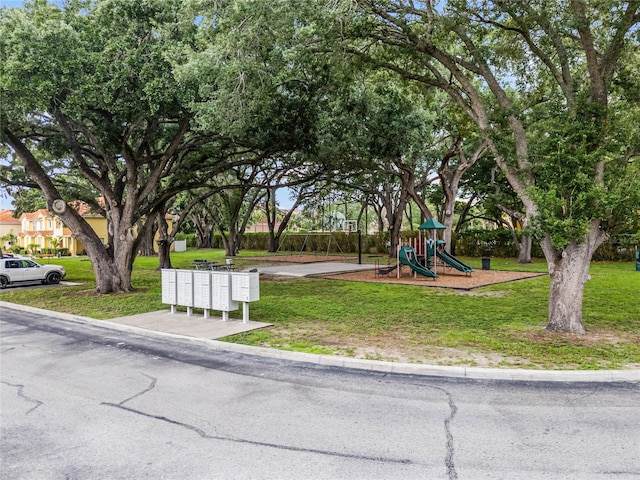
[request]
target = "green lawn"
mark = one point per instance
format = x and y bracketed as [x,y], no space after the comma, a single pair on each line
[498,326]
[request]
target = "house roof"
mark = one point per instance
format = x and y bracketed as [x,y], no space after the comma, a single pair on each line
[6,216]
[35,233]
[84,209]
[41,213]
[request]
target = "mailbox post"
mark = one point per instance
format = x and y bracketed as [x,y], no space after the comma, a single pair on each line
[245,288]
[221,300]
[169,288]
[210,290]
[184,282]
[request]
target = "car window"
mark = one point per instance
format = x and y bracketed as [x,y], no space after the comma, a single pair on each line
[12,264]
[28,264]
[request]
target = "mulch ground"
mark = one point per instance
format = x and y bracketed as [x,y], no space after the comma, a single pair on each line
[447,278]
[450,278]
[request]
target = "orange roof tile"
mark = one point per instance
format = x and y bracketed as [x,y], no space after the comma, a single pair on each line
[35,233]
[84,209]
[43,212]
[6,216]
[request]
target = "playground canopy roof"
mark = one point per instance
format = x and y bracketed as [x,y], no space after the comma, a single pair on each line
[432,224]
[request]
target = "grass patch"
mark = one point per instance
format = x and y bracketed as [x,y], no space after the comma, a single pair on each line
[501,326]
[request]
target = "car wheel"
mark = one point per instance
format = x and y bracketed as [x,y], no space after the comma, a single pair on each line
[3,282]
[53,277]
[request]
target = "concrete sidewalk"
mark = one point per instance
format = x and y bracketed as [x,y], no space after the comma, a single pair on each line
[195,325]
[198,330]
[318,268]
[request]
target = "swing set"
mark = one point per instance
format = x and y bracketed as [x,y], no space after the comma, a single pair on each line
[305,243]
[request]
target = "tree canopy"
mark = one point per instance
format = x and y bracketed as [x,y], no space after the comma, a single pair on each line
[134,103]
[548,86]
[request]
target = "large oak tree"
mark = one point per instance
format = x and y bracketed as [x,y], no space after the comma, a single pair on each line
[90,86]
[548,84]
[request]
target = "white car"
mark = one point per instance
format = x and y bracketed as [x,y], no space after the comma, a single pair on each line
[18,270]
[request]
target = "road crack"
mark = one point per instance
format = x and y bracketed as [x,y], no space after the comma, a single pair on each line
[450,446]
[23,396]
[201,433]
[451,468]
[154,381]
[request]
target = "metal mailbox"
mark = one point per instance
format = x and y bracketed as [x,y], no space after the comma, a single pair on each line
[210,290]
[169,288]
[245,286]
[184,281]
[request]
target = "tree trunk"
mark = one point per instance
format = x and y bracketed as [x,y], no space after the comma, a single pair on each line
[379,217]
[164,243]
[568,276]
[123,259]
[449,183]
[274,242]
[106,275]
[145,244]
[204,234]
[394,217]
[524,249]
[231,242]
[569,272]
[447,221]
[271,210]
[229,245]
[164,256]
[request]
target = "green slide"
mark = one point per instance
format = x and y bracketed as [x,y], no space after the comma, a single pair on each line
[407,256]
[444,256]
[454,262]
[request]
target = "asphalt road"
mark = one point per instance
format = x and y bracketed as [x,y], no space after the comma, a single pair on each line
[82,402]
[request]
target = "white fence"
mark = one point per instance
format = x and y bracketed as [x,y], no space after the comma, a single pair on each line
[210,290]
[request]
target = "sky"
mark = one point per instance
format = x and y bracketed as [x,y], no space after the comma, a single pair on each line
[5,204]
[20,3]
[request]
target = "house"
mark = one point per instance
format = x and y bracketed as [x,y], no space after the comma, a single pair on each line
[9,225]
[261,227]
[42,230]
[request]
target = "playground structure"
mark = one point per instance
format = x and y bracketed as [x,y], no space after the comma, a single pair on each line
[427,260]
[424,258]
[407,256]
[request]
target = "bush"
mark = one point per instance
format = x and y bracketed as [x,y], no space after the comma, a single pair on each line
[255,241]
[485,243]
[499,243]
[469,243]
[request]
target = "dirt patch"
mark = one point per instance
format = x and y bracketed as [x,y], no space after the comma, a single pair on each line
[93,293]
[393,346]
[594,338]
[449,278]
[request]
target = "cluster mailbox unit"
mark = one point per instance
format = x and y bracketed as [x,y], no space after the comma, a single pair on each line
[210,290]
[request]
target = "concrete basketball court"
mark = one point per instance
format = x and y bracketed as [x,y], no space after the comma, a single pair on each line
[319,268]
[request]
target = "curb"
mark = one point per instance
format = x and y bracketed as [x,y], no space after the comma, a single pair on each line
[475,373]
